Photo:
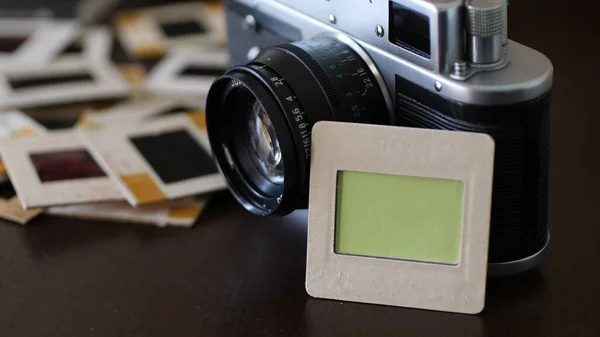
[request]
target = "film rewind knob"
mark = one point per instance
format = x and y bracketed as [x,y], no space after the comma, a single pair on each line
[486,30]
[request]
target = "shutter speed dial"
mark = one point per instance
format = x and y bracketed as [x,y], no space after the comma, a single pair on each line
[486,30]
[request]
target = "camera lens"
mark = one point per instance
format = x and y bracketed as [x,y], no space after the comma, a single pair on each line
[260,116]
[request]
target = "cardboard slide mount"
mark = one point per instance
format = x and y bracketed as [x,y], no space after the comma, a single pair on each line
[38,41]
[62,82]
[467,157]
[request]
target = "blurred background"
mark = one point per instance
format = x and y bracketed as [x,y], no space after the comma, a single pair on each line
[68,64]
[138,35]
[73,8]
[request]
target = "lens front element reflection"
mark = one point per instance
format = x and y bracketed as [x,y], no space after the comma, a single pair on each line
[264,143]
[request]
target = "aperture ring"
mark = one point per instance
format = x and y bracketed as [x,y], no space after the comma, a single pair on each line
[297,118]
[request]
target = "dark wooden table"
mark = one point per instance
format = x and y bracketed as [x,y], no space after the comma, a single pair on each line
[235,274]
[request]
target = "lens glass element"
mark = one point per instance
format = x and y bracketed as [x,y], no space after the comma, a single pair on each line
[264,144]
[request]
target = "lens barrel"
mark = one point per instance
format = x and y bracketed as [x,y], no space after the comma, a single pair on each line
[294,86]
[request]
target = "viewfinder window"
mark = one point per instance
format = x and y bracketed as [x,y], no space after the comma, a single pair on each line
[410,30]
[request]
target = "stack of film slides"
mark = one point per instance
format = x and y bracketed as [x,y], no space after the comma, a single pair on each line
[132,95]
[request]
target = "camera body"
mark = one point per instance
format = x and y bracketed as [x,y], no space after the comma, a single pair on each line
[447,64]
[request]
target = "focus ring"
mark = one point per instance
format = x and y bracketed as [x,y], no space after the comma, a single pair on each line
[335,100]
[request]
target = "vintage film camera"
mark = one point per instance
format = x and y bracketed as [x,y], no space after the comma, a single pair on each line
[439,64]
